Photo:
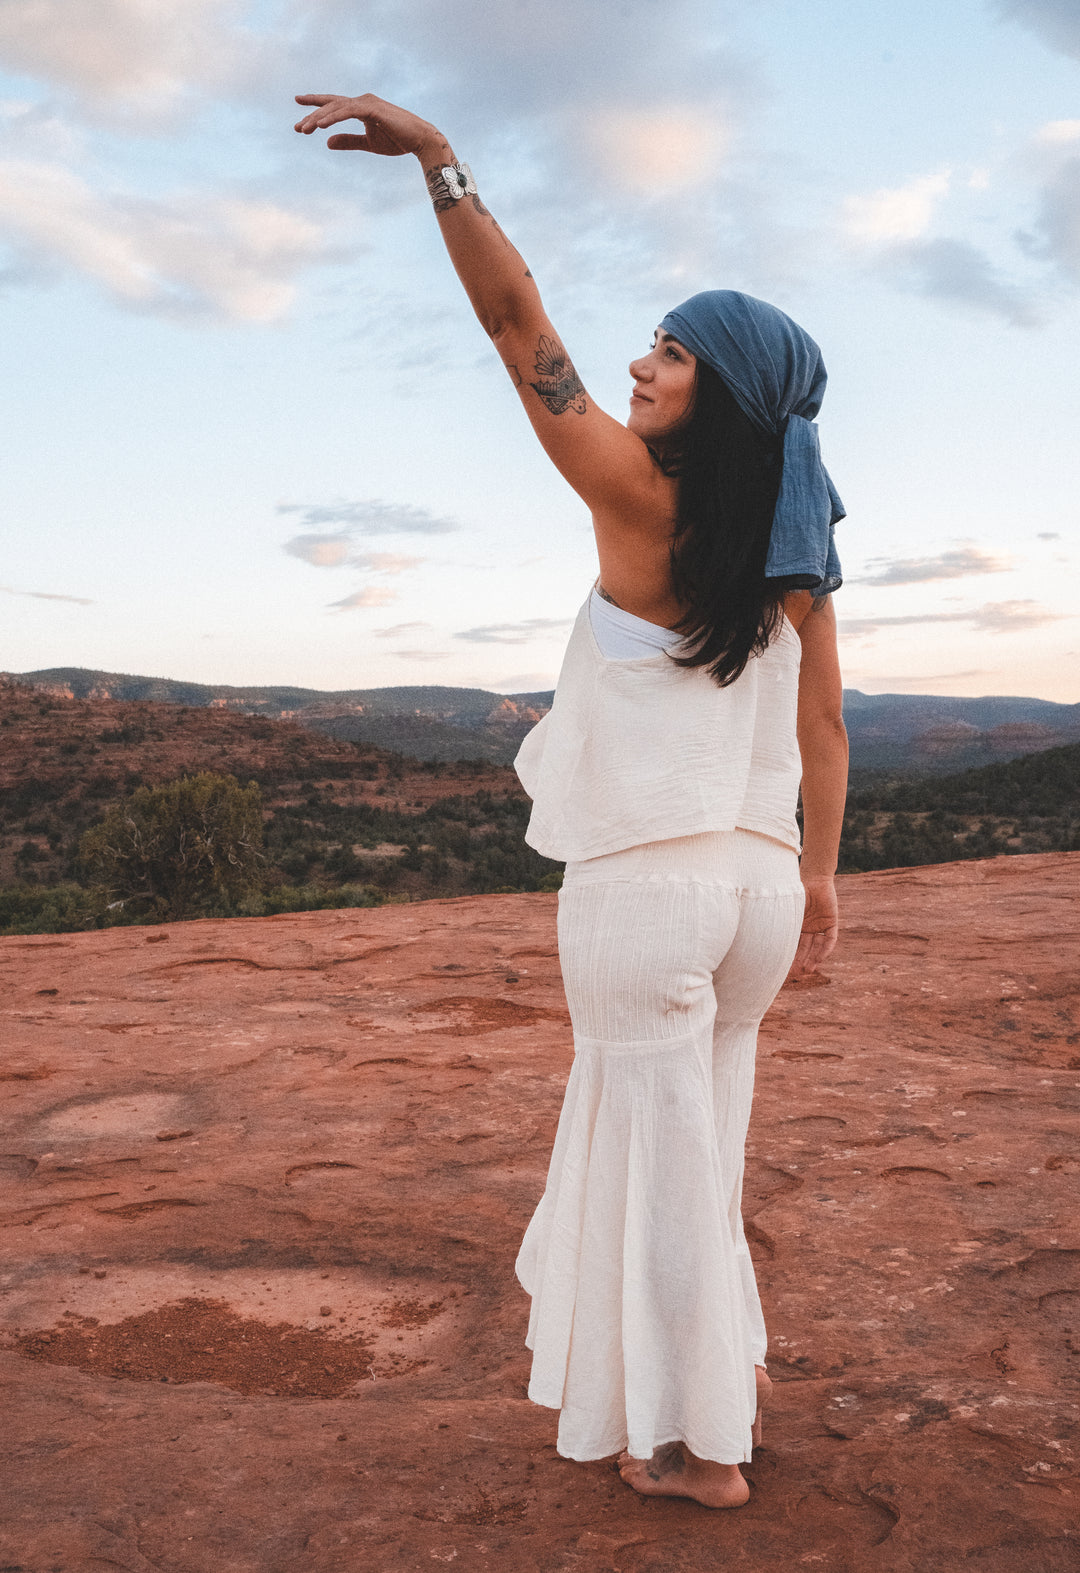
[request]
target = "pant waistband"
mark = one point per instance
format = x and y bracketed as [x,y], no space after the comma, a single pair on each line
[744,858]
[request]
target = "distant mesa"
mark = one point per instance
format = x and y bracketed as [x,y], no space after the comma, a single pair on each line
[431,722]
[1004,741]
[1023,734]
[919,733]
[337,813]
[408,793]
[946,737]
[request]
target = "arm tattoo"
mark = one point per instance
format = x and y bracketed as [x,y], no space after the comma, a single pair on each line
[434,178]
[558,383]
[486,213]
[819,603]
[515,375]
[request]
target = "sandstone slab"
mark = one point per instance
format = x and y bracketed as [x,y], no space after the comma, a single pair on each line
[264,1181]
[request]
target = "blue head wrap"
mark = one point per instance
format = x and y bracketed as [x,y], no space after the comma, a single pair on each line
[776,375]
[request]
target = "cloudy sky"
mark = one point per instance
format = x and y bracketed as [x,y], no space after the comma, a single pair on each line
[253,434]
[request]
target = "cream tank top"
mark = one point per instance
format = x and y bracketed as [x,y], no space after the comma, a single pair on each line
[638,749]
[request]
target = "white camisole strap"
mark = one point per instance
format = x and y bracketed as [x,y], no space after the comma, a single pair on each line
[621,636]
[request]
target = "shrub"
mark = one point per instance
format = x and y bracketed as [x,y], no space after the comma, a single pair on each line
[187,848]
[28,909]
[311,898]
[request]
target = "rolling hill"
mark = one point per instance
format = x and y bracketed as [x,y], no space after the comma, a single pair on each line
[907,734]
[342,814]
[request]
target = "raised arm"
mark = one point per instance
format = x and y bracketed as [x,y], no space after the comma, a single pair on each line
[608,466]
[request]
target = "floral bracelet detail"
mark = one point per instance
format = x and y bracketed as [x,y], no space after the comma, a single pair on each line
[448,183]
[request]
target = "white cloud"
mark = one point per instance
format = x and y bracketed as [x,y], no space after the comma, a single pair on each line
[656,151]
[996,617]
[337,551]
[1005,617]
[905,678]
[321,551]
[899,213]
[370,595]
[1057,232]
[524,683]
[515,633]
[398,629]
[640,101]
[960,274]
[1058,133]
[371,516]
[387,562]
[953,564]
[47,595]
[28,127]
[1058,21]
[488,65]
[421,655]
[183,255]
[893,223]
[136,55]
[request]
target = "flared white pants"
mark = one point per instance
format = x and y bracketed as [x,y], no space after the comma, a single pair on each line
[645,1323]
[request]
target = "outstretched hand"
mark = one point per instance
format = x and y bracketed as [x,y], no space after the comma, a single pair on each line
[819,927]
[388,130]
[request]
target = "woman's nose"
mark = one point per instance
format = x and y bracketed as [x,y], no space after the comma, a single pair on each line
[639,370]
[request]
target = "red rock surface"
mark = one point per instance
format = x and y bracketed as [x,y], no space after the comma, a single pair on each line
[265,1180]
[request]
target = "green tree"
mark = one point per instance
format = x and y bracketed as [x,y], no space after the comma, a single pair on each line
[188,848]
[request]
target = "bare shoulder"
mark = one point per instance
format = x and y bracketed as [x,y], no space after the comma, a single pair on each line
[609,467]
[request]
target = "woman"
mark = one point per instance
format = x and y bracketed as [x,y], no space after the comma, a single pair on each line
[700,678]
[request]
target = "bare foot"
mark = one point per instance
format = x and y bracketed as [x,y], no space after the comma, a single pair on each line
[673,1471]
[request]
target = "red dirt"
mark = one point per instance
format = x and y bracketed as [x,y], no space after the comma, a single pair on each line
[293,1165]
[193,1340]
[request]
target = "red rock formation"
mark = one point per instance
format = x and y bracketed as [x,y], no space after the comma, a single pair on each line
[1013,737]
[265,1181]
[510,713]
[73,758]
[945,737]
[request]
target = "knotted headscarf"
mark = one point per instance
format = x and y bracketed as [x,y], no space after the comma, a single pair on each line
[776,375]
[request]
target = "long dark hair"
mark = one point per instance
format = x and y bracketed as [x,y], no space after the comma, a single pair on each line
[729,476]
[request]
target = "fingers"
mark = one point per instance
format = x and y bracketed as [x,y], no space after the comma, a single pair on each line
[330,108]
[343,142]
[813,949]
[819,947]
[322,119]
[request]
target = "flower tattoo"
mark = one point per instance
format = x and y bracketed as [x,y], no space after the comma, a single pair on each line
[558,383]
